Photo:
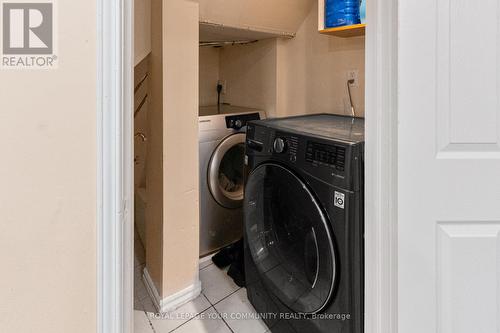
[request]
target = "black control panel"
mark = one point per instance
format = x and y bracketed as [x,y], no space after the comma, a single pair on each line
[290,144]
[333,156]
[332,161]
[240,121]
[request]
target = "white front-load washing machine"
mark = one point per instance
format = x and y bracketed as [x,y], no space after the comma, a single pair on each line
[222,133]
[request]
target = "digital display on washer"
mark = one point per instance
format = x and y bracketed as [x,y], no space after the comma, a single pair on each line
[326,154]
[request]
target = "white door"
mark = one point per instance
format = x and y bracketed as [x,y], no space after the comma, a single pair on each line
[449,166]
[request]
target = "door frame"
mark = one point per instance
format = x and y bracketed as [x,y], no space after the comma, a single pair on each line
[115,181]
[115,169]
[381,168]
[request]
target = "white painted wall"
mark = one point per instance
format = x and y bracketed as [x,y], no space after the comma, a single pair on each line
[209,75]
[48,185]
[312,71]
[250,73]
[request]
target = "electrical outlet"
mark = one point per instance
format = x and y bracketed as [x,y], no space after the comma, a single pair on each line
[353,74]
[223,83]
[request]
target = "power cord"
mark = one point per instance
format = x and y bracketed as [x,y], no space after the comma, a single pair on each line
[219,91]
[349,82]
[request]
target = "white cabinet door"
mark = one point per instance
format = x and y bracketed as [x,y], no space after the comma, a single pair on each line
[449,166]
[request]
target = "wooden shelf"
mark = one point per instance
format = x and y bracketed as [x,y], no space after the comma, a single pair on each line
[345,31]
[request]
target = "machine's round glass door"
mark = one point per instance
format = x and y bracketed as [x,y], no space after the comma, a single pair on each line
[289,239]
[225,171]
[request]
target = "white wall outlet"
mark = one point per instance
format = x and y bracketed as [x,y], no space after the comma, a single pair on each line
[353,74]
[223,83]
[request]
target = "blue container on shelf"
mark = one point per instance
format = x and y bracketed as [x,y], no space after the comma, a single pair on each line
[341,12]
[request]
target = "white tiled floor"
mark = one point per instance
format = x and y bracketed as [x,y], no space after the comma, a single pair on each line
[214,311]
[216,285]
[235,305]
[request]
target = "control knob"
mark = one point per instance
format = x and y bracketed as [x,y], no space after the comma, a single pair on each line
[238,124]
[279,145]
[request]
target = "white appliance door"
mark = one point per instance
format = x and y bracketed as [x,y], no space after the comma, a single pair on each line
[225,171]
[449,166]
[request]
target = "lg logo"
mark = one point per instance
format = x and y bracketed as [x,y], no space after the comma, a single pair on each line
[28,28]
[339,200]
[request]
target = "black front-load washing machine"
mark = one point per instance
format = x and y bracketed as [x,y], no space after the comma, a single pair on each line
[304,228]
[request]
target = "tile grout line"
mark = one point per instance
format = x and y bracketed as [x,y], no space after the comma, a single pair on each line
[206,266]
[212,306]
[234,292]
[150,323]
[226,297]
[197,315]
[147,316]
[224,320]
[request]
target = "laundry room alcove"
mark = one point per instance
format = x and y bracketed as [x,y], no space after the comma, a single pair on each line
[269,55]
[256,59]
